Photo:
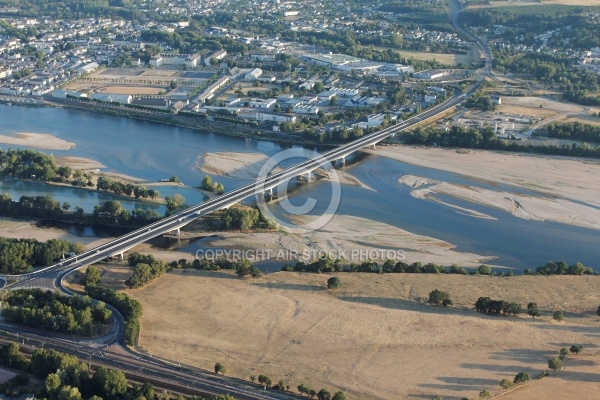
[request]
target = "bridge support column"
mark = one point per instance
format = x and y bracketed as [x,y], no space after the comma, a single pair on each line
[373,146]
[342,161]
[178,232]
[120,256]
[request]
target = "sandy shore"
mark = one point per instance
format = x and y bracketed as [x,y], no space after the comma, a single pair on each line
[522,206]
[24,229]
[37,140]
[354,239]
[570,188]
[78,162]
[235,165]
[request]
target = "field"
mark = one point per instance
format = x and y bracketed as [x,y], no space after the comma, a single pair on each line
[448,59]
[374,338]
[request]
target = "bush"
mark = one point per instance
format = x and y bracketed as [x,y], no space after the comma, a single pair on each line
[506,384]
[484,394]
[438,297]
[333,283]
[558,316]
[521,377]
[576,349]
[555,364]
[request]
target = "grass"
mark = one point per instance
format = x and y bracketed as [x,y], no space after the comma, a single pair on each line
[360,337]
[448,59]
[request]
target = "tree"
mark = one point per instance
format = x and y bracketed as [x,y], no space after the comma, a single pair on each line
[302,388]
[558,316]
[438,297]
[324,395]
[333,101]
[339,396]
[110,383]
[52,384]
[207,183]
[92,276]
[532,309]
[264,380]
[333,283]
[555,364]
[563,353]
[66,205]
[220,368]
[69,393]
[484,270]
[521,377]
[576,349]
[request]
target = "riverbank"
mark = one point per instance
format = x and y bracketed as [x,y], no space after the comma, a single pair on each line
[43,141]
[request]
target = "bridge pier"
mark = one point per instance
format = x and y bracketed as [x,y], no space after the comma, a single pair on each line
[342,161]
[373,146]
[120,256]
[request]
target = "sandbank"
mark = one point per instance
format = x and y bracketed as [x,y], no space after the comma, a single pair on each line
[36,140]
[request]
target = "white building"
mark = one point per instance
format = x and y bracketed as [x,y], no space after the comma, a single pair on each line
[218,55]
[253,75]
[262,103]
[301,108]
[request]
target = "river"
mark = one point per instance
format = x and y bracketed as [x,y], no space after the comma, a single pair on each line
[152,151]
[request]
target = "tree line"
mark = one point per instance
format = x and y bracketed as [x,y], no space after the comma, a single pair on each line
[21,255]
[53,311]
[574,131]
[111,212]
[474,138]
[127,189]
[63,377]
[130,309]
[146,269]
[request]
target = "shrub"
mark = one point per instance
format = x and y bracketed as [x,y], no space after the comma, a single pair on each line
[521,377]
[506,384]
[576,349]
[555,364]
[558,316]
[438,297]
[333,283]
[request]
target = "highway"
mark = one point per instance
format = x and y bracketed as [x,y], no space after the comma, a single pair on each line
[112,352]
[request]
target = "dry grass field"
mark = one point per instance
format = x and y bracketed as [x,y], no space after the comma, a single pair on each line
[448,59]
[374,338]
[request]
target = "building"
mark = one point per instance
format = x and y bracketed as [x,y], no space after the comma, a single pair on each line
[218,55]
[253,75]
[112,98]
[302,108]
[262,103]
[496,99]
[189,60]
[430,74]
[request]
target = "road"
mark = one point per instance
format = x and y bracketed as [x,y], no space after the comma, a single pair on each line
[192,380]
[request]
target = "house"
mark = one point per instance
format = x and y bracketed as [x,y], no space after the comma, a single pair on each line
[496,99]
[253,75]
